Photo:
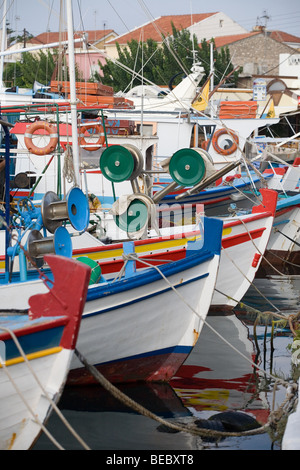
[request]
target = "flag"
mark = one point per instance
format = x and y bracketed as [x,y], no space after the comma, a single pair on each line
[202,101]
[271,112]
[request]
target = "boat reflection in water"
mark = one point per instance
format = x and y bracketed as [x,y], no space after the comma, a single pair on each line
[215,378]
[105,423]
[225,380]
[282,291]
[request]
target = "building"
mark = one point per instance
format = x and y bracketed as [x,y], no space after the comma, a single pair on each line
[203,25]
[88,52]
[286,38]
[257,52]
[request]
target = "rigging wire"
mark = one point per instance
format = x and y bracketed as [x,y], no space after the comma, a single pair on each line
[120,17]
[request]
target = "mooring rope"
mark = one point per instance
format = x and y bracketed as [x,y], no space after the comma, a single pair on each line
[195,430]
[273,419]
[289,238]
[250,282]
[135,257]
[31,411]
[181,427]
[53,404]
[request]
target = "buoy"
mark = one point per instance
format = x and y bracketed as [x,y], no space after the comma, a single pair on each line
[225,142]
[236,421]
[228,422]
[49,129]
[98,131]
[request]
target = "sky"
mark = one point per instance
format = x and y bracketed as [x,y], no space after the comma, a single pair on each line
[38,16]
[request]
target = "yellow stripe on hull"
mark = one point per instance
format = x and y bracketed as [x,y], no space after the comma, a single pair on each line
[32,356]
[149,247]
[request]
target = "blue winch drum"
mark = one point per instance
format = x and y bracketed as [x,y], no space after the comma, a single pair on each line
[62,242]
[75,208]
[78,209]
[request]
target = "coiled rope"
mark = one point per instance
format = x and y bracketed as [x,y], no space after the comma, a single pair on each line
[68,169]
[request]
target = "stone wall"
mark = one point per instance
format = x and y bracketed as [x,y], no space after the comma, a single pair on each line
[258,54]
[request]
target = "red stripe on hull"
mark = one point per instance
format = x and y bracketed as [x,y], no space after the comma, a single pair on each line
[109,267]
[242,238]
[158,368]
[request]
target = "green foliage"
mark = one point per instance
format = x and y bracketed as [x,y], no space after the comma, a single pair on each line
[32,67]
[159,64]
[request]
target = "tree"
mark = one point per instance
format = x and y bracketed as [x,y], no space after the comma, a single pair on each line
[143,58]
[35,67]
[160,63]
[32,67]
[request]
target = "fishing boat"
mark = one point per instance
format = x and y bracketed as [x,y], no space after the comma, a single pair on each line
[283,249]
[36,349]
[136,327]
[133,328]
[245,236]
[137,317]
[244,240]
[152,147]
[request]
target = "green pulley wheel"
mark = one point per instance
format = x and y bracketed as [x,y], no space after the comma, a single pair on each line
[187,167]
[134,218]
[116,163]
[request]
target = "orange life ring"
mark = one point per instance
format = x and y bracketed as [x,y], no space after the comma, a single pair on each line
[100,142]
[229,150]
[46,127]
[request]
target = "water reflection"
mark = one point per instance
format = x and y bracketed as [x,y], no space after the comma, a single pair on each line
[226,378]
[105,423]
[275,291]
[216,377]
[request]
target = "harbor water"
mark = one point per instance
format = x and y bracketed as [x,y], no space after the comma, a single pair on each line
[219,375]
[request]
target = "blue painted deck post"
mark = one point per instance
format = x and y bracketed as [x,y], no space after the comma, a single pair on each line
[130,267]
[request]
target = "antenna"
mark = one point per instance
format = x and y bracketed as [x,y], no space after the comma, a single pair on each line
[266,17]
[263,20]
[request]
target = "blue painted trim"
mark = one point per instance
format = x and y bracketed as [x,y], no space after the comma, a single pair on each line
[280,223]
[147,277]
[140,299]
[288,202]
[31,276]
[159,352]
[34,342]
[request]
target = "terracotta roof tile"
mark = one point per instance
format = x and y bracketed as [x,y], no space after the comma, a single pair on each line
[222,41]
[284,37]
[163,25]
[49,37]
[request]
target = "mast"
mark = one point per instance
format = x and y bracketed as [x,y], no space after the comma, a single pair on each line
[212,71]
[3,39]
[75,144]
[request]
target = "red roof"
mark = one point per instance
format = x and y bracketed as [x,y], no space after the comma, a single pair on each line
[222,41]
[161,25]
[50,37]
[281,36]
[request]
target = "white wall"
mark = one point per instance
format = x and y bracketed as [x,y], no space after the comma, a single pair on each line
[289,65]
[215,26]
